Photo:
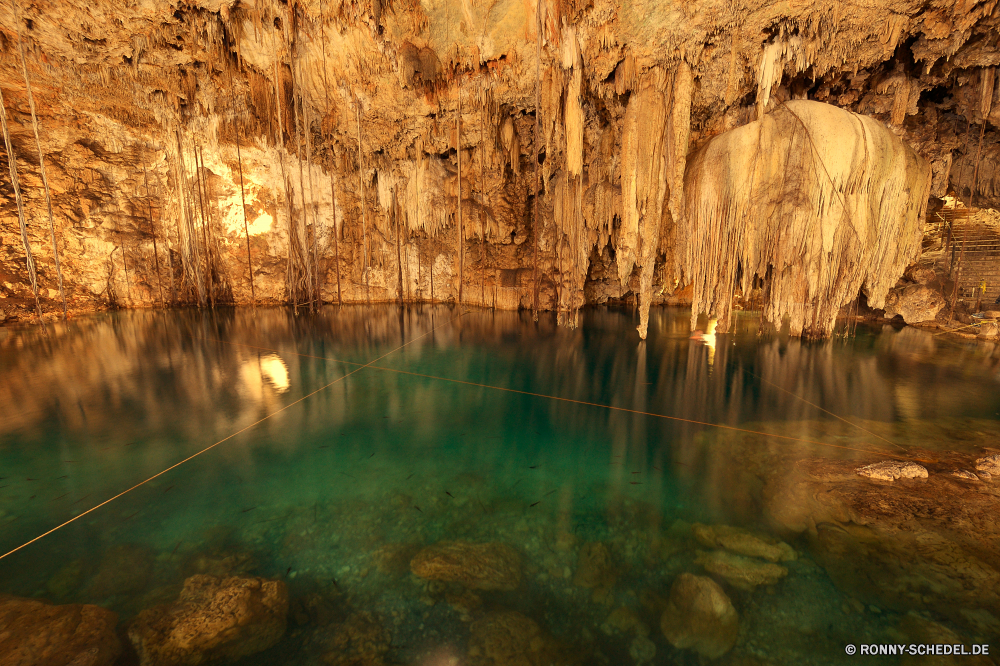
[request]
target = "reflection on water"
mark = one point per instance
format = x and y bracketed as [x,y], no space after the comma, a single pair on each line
[494,490]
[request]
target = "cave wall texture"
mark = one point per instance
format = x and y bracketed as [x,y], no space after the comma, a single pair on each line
[392,150]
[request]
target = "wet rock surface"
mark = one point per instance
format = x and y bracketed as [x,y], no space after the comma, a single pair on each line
[919,543]
[699,616]
[34,633]
[478,566]
[215,619]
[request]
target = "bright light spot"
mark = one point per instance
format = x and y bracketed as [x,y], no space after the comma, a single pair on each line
[442,656]
[262,224]
[274,370]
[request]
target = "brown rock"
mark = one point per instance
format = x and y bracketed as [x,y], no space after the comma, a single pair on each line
[34,633]
[478,566]
[595,570]
[700,617]
[745,573]
[743,542]
[214,619]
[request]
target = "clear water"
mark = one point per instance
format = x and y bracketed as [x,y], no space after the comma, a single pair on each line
[355,466]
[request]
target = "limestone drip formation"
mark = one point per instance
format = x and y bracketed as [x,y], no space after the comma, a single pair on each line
[502,154]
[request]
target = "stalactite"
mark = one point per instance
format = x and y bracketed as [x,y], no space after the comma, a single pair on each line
[836,206]
[41,158]
[333,165]
[296,104]
[121,243]
[461,229]
[12,164]
[243,198]
[399,252]
[152,230]
[210,281]
[535,221]
[364,227]
[190,256]
[315,228]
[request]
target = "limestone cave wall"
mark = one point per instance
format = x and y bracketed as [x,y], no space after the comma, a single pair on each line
[504,153]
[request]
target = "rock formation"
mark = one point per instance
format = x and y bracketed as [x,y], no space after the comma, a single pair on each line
[538,155]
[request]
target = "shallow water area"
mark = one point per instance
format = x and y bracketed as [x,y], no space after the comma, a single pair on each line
[328,451]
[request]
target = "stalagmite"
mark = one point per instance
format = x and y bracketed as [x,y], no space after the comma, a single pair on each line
[41,159]
[817,201]
[12,164]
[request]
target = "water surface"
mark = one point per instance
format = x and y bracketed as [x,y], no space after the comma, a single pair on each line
[345,441]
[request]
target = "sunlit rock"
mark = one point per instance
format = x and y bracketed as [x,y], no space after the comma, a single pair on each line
[33,632]
[213,619]
[478,566]
[700,617]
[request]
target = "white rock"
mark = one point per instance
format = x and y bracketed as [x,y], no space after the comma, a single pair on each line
[890,470]
[989,464]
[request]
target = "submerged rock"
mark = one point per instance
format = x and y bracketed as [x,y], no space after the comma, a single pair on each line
[890,470]
[478,566]
[33,632]
[743,542]
[360,640]
[508,638]
[595,570]
[124,569]
[745,573]
[215,619]
[699,616]
[932,545]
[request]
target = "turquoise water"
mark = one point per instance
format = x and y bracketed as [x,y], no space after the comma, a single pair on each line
[346,441]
